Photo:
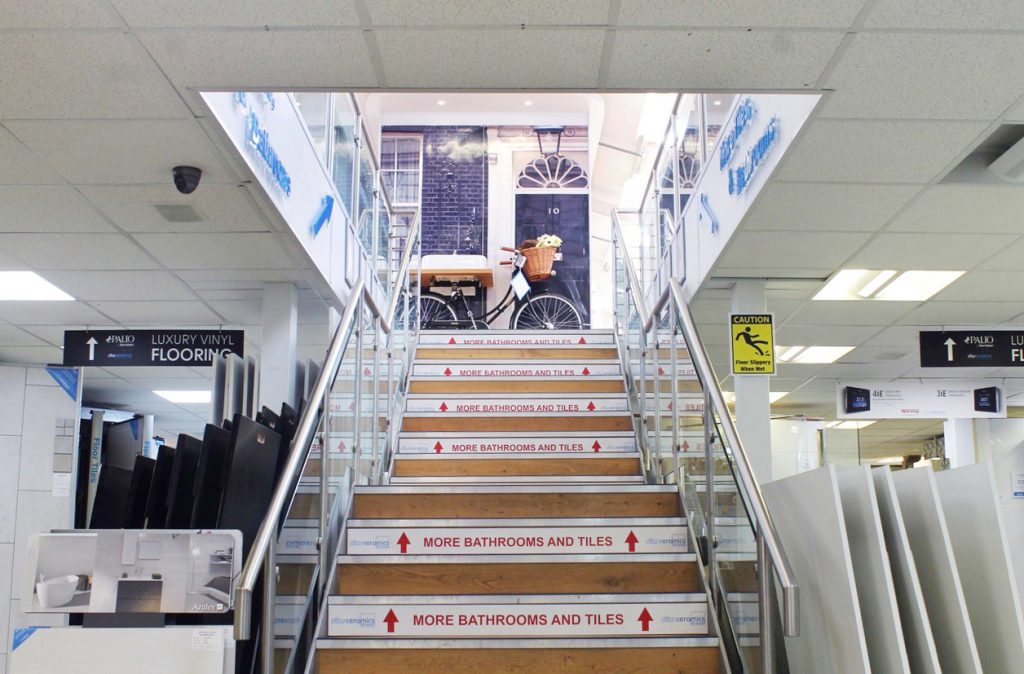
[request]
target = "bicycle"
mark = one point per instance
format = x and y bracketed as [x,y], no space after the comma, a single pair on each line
[544,310]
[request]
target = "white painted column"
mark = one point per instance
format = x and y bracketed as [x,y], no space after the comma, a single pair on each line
[959,438]
[753,409]
[277,351]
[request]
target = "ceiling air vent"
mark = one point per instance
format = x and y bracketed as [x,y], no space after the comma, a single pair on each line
[997,160]
[1010,165]
[178,213]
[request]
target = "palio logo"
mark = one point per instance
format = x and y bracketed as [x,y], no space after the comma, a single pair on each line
[121,340]
[980,340]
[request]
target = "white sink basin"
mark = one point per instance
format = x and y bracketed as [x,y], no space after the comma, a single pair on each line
[454,262]
[56,592]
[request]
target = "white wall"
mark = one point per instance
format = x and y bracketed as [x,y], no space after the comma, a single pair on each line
[795,446]
[34,447]
[1001,442]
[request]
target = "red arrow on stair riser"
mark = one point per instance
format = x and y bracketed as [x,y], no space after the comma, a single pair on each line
[632,540]
[451,341]
[444,407]
[591,406]
[686,445]
[447,372]
[645,620]
[403,542]
[586,371]
[582,340]
[597,446]
[391,620]
[438,447]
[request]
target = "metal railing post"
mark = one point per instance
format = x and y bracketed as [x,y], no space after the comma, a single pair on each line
[266,655]
[766,612]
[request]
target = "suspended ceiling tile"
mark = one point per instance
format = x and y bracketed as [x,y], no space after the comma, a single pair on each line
[278,60]
[953,252]
[529,12]
[954,373]
[708,59]
[185,375]
[216,251]
[823,335]
[827,207]
[450,59]
[145,314]
[38,355]
[76,251]
[88,75]
[13,336]
[985,209]
[962,313]
[247,13]
[122,285]
[946,14]
[47,208]
[1005,286]
[57,14]
[121,151]
[740,13]
[51,313]
[864,150]
[898,337]
[221,207]
[863,370]
[239,278]
[222,294]
[791,250]
[908,75]
[1008,259]
[54,334]
[856,313]
[239,312]
[20,166]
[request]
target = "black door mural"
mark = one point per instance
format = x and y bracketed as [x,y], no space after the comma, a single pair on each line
[566,216]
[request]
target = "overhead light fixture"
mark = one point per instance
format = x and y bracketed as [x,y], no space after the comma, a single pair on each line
[716,102]
[917,286]
[849,425]
[886,284]
[812,354]
[872,286]
[186,397]
[527,103]
[890,461]
[28,286]
[773,396]
[441,102]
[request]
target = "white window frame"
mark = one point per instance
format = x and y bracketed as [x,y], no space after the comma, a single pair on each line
[418,137]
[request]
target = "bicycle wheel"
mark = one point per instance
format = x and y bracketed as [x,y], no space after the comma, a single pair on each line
[546,312]
[434,313]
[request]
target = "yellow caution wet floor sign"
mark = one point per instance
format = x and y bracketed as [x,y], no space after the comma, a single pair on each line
[753,343]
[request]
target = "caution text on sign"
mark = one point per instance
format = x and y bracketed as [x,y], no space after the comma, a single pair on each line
[518,620]
[753,343]
[517,540]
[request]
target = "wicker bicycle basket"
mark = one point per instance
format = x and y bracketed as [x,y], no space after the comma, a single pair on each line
[539,262]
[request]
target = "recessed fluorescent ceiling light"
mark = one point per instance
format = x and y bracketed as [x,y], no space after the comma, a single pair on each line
[28,286]
[730,396]
[186,397]
[886,284]
[891,460]
[917,286]
[812,354]
[441,102]
[849,425]
[527,103]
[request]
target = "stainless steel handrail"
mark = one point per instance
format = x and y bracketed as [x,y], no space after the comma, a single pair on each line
[304,435]
[755,498]
[634,281]
[403,268]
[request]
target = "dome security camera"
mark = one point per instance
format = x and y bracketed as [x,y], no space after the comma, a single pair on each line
[186,178]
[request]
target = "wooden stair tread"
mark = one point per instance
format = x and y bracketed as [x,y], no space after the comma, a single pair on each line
[665,660]
[512,505]
[517,578]
[525,353]
[441,467]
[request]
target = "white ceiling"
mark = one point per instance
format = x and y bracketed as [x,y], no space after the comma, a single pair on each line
[100,101]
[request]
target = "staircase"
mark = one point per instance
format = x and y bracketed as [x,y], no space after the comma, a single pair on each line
[515,531]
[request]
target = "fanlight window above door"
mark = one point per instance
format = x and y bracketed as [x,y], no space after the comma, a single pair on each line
[553,172]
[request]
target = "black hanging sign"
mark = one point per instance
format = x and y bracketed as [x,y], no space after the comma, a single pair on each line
[973,348]
[159,348]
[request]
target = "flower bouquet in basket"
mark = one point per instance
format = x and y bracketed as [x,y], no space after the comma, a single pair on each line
[540,256]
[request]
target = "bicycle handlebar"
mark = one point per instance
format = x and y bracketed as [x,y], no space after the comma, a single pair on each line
[509,250]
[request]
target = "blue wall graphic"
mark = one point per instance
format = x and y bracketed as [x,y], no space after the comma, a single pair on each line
[566,216]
